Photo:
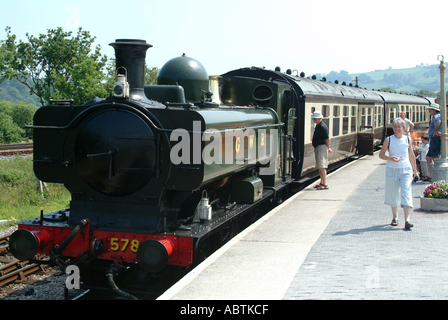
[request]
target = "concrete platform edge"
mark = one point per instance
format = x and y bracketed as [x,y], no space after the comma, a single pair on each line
[199,283]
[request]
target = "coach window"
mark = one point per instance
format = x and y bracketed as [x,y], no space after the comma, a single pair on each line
[375,117]
[380,116]
[391,115]
[326,111]
[369,116]
[353,122]
[345,114]
[336,120]
[312,122]
[363,117]
[326,116]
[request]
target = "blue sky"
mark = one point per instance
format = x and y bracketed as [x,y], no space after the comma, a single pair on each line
[314,36]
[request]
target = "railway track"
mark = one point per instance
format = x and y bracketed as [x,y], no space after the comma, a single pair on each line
[16,148]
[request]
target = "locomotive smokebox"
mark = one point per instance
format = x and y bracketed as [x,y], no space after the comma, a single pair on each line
[130,54]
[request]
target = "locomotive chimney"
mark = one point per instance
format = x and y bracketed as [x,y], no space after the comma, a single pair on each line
[130,57]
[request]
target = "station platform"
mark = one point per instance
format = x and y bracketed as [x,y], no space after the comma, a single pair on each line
[330,244]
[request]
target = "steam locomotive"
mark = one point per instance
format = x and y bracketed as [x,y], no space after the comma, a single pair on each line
[161,176]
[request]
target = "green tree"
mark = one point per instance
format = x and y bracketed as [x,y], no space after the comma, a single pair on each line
[9,131]
[13,118]
[426,93]
[151,75]
[55,65]
[388,89]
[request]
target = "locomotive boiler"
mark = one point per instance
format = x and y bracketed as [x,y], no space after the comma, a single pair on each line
[159,175]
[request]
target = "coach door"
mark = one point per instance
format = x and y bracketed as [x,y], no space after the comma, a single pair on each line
[365,134]
[289,118]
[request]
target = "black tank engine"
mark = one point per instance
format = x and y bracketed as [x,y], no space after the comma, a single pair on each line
[159,181]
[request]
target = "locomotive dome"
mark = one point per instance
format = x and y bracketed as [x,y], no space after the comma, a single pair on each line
[186,72]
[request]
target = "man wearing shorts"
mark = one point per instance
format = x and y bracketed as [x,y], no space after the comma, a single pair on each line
[434,133]
[409,124]
[321,144]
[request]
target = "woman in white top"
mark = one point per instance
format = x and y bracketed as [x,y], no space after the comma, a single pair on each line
[400,171]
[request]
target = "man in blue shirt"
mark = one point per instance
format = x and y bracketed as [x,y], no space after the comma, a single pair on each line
[434,134]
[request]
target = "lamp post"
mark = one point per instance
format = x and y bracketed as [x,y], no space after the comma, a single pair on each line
[440,167]
[442,68]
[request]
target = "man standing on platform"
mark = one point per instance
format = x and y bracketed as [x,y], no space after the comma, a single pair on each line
[321,144]
[434,133]
[409,124]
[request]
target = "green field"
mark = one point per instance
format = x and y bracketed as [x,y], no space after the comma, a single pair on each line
[20,196]
[403,80]
[420,78]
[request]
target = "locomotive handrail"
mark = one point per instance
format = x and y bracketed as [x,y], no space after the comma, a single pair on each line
[180,104]
[31,126]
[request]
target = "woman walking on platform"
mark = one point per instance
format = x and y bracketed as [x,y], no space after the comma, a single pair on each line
[400,171]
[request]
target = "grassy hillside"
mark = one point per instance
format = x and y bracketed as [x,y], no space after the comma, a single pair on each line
[15,91]
[20,197]
[406,80]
